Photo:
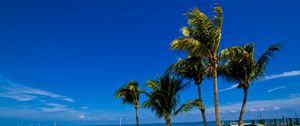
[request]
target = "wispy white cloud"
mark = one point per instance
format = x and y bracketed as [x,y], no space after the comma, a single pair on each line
[23,93]
[45,105]
[284,74]
[20,97]
[42,108]
[53,111]
[276,88]
[54,107]
[270,77]
[259,106]
[68,99]
[229,88]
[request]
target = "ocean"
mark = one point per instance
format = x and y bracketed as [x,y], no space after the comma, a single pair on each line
[173,124]
[51,123]
[74,124]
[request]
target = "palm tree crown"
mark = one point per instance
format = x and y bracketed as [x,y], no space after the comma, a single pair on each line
[203,35]
[241,65]
[164,97]
[129,93]
[194,68]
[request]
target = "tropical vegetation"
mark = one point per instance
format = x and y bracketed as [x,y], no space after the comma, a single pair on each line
[202,39]
[164,96]
[202,59]
[130,94]
[193,68]
[242,67]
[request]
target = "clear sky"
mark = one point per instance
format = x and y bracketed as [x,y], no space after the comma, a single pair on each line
[63,60]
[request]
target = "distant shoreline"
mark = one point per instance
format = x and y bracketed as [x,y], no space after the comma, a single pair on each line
[210,123]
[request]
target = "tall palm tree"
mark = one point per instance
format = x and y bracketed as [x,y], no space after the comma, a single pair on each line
[242,67]
[202,38]
[193,68]
[130,94]
[164,97]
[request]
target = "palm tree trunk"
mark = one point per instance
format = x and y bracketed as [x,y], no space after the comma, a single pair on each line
[136,116]
[216,99]
[168,121]
[243,107]
[201,108]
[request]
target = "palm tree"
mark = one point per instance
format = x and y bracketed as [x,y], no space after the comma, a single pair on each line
[202,38]
[193,68]
[130,94]
[242,67]
[164,97]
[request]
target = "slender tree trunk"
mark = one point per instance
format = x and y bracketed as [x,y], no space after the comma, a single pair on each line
[243,107]
[216,99]
[136,116]
[203,117]
[168,121]
[202,107]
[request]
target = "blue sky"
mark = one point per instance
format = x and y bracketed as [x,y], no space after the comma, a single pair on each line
[63,60]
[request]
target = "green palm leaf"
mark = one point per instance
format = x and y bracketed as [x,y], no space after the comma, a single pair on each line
[242,67]
[189,105]
[265,58]
[164,97]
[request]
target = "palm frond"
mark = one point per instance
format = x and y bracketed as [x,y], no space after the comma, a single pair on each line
[152,84]
[129,93]
[241,66]
[163,98]
[189,105]
[191,46]
[187,32]
[199,20]
[265,58]
[218,19]
[202,37]
[227,73]
[233,53]
[193,68]
[249,48]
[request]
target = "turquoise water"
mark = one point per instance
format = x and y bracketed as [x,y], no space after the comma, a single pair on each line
[74,123]
[60,124]
[173,124]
